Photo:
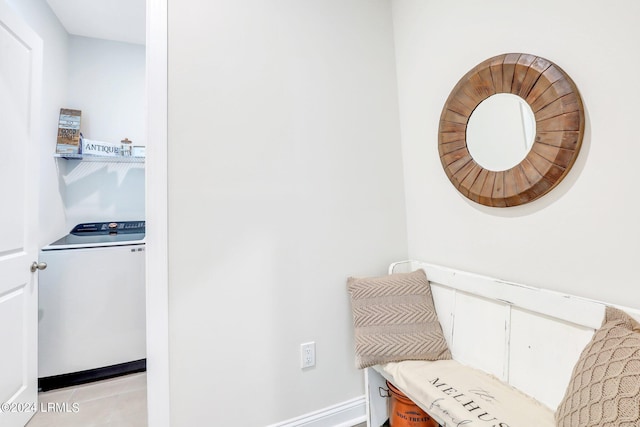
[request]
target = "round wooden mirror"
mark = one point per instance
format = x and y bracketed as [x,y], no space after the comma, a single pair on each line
[559,128]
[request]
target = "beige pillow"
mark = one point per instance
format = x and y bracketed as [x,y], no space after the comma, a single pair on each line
[395,319]
[604,389]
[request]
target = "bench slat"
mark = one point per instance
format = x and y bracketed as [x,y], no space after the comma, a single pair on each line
[580,311]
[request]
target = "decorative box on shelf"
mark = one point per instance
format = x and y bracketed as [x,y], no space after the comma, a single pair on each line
[68,140]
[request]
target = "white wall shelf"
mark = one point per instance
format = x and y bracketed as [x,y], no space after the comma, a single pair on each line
[105,159]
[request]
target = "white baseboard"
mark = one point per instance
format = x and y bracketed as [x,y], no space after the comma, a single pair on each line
[345,414]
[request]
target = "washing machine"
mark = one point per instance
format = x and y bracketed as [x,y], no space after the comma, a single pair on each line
[91,317]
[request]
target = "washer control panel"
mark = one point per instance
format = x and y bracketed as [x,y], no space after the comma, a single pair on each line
[96,228]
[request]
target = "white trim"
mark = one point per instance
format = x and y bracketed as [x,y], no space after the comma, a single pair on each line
[345,414]
[158,390]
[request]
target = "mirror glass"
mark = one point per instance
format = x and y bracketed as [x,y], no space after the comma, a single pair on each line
[501,131]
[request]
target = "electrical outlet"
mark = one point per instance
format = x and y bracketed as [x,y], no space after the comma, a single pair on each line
[307,355]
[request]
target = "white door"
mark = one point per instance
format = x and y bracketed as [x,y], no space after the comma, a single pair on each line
[20,91]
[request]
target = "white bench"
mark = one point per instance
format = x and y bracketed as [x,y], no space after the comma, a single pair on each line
[516,336]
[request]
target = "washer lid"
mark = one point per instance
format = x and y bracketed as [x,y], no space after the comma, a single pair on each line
[94,240]
[95,234]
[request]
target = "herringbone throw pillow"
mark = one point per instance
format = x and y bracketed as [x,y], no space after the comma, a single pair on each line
[604,389]
[394,319]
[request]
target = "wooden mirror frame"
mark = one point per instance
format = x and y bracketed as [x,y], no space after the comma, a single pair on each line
[559,115]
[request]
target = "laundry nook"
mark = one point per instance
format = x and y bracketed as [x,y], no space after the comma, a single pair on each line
[319,213]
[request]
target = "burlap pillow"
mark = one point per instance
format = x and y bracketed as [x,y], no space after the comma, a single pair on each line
[395,319]
[604,389]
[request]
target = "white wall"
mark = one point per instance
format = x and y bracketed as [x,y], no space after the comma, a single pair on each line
[583,237]
[285,177]
[55,47]
[95,191]
[106,82]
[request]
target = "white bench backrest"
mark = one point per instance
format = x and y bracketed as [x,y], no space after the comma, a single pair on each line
[530,338]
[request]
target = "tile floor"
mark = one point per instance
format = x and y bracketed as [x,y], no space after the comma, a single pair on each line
[117,402]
